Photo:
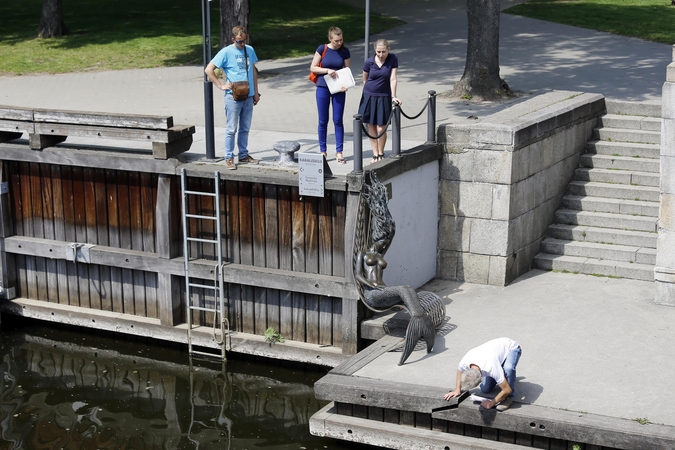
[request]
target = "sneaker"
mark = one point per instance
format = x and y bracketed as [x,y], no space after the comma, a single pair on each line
[248,159]
[230,165]
[505,404]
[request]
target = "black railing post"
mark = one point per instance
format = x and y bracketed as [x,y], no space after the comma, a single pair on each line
[358,144]
[431,117]
[396,131]
[209,125]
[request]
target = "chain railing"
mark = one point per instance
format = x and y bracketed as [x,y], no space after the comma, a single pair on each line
[395,122]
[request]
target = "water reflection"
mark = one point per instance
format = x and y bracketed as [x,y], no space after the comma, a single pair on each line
[63,390]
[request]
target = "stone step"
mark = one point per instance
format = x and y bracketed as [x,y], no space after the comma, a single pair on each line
[621,191]
[623,107]
[599,235]
[611,205]
[624,149]
[594,266]
[630,122]
[634,163]
[606,220]
[615,176]
[599,250]
[622,135]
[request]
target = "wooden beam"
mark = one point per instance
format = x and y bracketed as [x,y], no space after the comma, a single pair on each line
[40,141]
[7,261]
[149,262]
[350,305]
[98,118]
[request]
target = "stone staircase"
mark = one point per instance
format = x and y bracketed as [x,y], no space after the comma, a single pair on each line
[607,224]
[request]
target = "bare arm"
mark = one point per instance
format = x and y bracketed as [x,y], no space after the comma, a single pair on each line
[458,387]
[393,82]
[256,96]
[505,392]
[210,72]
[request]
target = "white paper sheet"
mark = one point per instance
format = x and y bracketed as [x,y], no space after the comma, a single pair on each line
[344,78]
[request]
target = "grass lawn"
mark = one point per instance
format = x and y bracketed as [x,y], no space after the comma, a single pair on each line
[652,20]
[125,34]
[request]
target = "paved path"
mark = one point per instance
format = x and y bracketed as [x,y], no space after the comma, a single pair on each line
[585,339]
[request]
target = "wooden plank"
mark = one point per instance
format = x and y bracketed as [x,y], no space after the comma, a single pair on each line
[376,413]
[167,286]
[103,233]
[271,239]
[260,310]
[18,215]
[245,223]
[90,201]
[129,134]
[136,229]
[105,158]
[325,235]
[60,232]
[407,418]
[38,231]
[116,290]
[285,229]
[234,273]
[7,261]
[81,235]
[391,415]
[350,317]
[16,113]
[48,200]
[311,235]
[298,230]
[299,323]
[337,321]
[166,150]
[98,118]
[312,318]
[258,224]
[41,141]
[152,309]
[148,196]
[423,420]
[232,253]
[69,231]
[325,320]
[339,215]
[124,216]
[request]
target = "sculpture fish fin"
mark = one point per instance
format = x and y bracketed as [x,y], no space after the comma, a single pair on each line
[418,327]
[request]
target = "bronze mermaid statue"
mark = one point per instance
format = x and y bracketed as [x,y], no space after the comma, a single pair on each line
[369,268]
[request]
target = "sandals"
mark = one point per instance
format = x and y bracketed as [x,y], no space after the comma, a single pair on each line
[340,159]
[376,158]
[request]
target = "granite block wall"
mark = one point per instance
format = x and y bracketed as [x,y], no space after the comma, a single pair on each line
[503,178]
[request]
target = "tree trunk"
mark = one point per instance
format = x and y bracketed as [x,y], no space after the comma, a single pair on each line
[481,79]
[51,22]
[233,13]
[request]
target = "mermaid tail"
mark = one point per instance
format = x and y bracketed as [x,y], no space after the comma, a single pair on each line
[418,327]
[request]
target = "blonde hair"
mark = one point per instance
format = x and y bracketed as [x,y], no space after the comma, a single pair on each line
[337,32]
[381,42]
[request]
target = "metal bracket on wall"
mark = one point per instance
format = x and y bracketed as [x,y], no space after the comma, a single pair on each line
[78,252]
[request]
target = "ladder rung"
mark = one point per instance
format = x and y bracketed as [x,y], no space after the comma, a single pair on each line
[208,241]
[212,355]
[195,216]
[208,194]
[203,286]
[201,308]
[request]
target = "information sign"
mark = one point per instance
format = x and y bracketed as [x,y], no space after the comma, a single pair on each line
[310,174]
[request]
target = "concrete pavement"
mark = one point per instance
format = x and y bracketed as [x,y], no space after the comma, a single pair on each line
[585,339]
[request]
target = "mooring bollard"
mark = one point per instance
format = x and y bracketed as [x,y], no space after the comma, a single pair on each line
[358,144]
[396,131]
[431,117]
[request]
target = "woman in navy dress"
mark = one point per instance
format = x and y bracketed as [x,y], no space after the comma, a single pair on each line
[335,57]
[379,90]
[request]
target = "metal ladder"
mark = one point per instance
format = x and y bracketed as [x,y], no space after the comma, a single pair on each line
[218,285]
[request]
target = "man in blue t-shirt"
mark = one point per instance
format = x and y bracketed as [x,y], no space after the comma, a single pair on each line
[238,63]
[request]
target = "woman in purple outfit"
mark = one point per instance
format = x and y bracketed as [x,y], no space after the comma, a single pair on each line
[379,89]
[332,57]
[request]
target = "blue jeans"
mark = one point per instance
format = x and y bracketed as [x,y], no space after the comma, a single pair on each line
[237,114]
[323,100]
[509,366]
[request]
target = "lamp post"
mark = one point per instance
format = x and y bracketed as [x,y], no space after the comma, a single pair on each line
[367,29]
[208,86]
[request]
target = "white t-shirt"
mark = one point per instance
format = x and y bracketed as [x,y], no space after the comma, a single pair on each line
[489,357]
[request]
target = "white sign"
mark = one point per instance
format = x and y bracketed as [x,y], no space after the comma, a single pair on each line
[310,174]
